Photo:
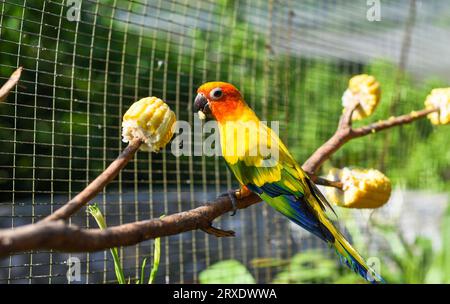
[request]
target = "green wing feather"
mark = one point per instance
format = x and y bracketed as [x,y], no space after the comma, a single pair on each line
[282,169]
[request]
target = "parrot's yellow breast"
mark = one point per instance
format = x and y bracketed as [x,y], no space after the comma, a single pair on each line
[251,150]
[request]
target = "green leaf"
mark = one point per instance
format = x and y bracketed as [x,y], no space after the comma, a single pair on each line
[226,272]
[156,258]
[94,210]
[141,279]
[117,266]
[98,216]
[310,266]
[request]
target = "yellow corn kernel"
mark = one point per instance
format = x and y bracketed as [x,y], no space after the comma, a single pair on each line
[365,90]
[362,188]
[439,99]
[151,120]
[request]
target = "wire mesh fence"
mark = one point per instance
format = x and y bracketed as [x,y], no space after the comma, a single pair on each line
[86,62]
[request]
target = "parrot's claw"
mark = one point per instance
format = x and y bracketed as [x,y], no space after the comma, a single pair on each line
[218,232]
[234,200]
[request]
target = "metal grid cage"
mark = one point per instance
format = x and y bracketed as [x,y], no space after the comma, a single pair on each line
[291,59]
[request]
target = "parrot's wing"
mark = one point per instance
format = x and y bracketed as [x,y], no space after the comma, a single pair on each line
[291,196]
[278,172]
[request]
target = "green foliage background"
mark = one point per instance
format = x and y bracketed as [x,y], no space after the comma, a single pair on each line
[80,78]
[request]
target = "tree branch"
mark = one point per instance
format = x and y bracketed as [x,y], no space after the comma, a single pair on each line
[9,85]
[345,132]
[58,236]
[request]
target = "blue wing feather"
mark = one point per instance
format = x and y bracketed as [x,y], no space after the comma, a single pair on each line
[295,208]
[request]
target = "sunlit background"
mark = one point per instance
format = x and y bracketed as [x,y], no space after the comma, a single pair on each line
[291,59]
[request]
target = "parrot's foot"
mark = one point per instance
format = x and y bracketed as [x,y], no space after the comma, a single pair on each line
[234,199]
[218,232]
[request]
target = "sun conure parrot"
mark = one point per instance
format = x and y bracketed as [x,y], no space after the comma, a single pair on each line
[279,180]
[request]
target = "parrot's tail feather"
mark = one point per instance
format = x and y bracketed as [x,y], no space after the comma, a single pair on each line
[355,262]
[315,220]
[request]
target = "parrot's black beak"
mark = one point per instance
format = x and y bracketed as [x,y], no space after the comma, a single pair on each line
[201,104]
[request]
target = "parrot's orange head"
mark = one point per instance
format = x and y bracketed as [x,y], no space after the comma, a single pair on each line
[220,100]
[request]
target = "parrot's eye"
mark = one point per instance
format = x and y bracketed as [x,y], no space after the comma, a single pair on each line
[216,93]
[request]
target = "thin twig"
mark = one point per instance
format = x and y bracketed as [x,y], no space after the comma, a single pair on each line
[345,132]
[96,185]
[345,122]
[9,85]
[391,122]
[339,138]
[325,182]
